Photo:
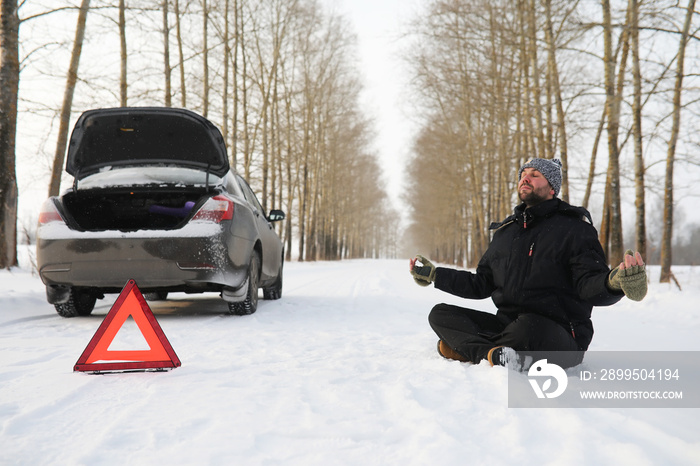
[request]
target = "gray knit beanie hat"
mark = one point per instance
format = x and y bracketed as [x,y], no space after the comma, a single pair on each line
[550,169]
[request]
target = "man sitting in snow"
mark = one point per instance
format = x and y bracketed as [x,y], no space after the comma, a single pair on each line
[544,269]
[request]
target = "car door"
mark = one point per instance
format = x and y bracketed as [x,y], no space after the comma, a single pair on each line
[271,244]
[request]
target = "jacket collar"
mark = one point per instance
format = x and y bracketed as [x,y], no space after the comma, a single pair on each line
[543,209]
[528,216]
[525,217]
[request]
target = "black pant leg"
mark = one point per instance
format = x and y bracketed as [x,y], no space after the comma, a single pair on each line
[533,332]
[467,331]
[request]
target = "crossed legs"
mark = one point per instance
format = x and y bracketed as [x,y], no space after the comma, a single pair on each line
[473,333]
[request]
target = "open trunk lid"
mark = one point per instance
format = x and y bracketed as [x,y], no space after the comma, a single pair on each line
[140,136]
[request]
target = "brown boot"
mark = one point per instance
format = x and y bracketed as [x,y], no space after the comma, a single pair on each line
[448,353]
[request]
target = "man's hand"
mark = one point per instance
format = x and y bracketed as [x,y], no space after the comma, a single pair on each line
[423,270]
[630,276]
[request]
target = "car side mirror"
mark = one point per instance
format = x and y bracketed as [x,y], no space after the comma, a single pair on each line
[275,216]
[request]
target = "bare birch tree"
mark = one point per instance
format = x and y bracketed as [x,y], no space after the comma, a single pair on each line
[611,230]
[666,246]
[639,171]
[166,55]
[556,89]
[66,108]
[180,54]
[123,83]
[205,58]
[9,77]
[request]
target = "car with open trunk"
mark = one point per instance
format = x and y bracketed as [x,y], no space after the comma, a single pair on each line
[154,199]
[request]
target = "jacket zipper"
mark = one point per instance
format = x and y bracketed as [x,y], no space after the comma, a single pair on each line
[530,253]
[571,325]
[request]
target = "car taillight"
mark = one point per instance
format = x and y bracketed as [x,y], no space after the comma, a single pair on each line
[215,210]
[49,213]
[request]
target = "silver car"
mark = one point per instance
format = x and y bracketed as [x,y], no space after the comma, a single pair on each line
[154,200]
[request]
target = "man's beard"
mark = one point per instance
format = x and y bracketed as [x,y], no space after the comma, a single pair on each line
[534,196]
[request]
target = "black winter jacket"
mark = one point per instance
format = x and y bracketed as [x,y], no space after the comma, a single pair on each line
[545,260]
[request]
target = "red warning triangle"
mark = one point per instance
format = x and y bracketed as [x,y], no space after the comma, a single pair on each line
[160,354]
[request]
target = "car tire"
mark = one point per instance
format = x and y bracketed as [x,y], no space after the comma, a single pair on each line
[274,291]
[250,304]
[156,296]
[80,303]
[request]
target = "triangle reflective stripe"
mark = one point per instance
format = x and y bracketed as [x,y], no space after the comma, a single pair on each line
[129,303]
[130,307]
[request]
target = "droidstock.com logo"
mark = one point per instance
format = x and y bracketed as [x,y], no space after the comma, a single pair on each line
[542,370]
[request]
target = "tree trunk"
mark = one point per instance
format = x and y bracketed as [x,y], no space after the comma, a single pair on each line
[9,76]
[244,97]
[227,55]
[71,79]
[594,156]
[530,147]
[122,42]
[666,249]
[640,205]
[181,56]
[166,55]
[561,120]
[536,89]
[205,56]
[304,184]
[612,105]
[234,85]
[290,183]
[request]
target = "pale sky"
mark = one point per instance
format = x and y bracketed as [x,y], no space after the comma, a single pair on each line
[378,25]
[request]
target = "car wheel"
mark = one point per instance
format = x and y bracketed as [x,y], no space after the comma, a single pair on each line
[250,304]
[156,296]
[80,303]
[274,291]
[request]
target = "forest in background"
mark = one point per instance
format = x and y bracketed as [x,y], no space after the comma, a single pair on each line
[603,85]
[279,78]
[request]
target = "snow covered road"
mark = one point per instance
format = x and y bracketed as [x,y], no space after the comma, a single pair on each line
[341,370]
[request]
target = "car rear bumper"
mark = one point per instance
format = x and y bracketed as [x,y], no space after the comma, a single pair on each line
[194,258]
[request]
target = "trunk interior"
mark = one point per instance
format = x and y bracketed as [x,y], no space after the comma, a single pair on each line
[130,210]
